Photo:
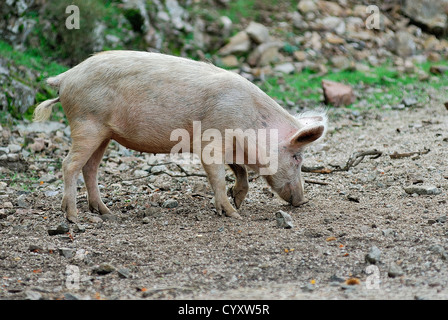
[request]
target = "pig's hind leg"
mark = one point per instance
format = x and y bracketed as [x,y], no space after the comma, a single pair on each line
[90,173]
[239,191]
[216,174]
[86,140]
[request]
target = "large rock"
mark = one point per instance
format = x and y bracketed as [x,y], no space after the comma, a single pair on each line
[330,7]
[402,44]
[239,43]
[431,14]
[305,6]
[337,94]
[257,32]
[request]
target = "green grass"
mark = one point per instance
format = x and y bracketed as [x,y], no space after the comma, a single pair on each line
[250,9]
[43,68]
[31,60]
[379,86]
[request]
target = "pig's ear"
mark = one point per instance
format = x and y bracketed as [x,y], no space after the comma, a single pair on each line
[307,135]
[307,120]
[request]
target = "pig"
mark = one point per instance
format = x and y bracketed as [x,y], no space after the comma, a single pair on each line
[139,98]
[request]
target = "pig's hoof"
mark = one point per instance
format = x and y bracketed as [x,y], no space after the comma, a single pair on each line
[72,217]
[301,203]
[100,208]
[238,196]
[234,215]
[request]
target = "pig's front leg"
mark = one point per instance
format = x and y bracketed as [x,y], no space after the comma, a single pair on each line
[216,174]
[239,191]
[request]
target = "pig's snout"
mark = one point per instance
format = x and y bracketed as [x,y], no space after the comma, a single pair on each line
[293,193]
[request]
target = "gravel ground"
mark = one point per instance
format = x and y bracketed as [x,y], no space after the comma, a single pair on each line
[363,235]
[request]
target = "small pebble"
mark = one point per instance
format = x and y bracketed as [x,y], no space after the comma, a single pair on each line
[394,270]
[104,268]
[373,256]
[170,203]
[283,219]
[60,229]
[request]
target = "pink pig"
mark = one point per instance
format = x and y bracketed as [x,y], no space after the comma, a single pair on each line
[138,99]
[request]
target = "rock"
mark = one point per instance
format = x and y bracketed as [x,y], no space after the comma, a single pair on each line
[67,252]
[316,41]
[431,14]
[337,94]
[124,273]
[22,96]
[109,217]
[284,220]
[264,54]
[239,43]
[330,7]
[8,205]
[257,32]
[432,43]
[423,190]
[33,295]
[51,193]
[79,228]
[409,101]
[300,55]
[226,25]
[178,15]
[62,228]
[230,61]
[22,202]
[309,287]
[373,256]
[388,232]
[45,127]
[334,39]
[38,145]
[140,173]
[14,148]
[438,69]
[104,269]
[287,68]
[340,62]
[298,22]
[170,203]
[402,44]
[434,57]
[394,270]
[335,24]
[305,6]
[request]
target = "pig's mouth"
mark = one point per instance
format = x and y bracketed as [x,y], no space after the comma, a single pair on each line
[296,202]
[294,198]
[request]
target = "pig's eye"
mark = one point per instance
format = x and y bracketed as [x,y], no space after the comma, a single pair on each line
[297,158]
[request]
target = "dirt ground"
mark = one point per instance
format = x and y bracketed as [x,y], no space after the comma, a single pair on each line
[150,251]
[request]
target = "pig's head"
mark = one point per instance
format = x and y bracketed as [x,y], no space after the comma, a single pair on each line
[287,181]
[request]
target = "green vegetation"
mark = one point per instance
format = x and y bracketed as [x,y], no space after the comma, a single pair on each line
[31,60]
[379,86]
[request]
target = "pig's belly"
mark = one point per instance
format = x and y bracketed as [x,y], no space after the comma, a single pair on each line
[150,143]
